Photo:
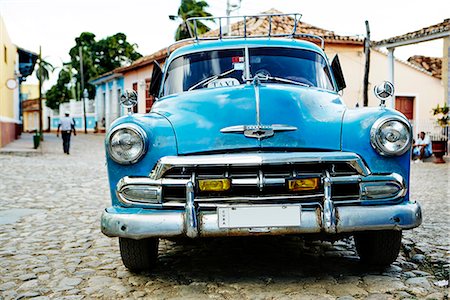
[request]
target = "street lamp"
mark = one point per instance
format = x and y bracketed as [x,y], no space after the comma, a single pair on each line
[85,96]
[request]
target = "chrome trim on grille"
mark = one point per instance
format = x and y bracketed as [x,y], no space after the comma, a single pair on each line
[328,216]
[251,159]
[329,182]
[265,198]
[190,212]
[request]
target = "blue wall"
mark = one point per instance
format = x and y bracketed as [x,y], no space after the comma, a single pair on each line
[79,125]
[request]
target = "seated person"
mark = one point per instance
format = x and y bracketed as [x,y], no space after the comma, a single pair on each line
[422,147]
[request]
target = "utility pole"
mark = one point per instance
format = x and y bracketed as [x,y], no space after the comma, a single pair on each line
[40,93]
[82,88]
[367,66]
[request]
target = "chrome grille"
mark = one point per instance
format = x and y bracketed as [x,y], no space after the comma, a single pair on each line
[261,178]
[260,183]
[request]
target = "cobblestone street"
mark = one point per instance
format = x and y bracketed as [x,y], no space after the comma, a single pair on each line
[51,245]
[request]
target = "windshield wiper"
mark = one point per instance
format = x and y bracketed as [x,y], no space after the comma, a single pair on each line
[211,79]
[279,79]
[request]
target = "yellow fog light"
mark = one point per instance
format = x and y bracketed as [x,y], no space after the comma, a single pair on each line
[303,184]
[214,185]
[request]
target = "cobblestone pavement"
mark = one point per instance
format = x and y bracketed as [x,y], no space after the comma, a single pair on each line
[51,245]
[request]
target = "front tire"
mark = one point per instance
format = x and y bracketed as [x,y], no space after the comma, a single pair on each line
[378,248]
[139,255]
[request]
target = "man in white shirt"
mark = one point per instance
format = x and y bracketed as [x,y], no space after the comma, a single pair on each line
[67,125]
[422,147]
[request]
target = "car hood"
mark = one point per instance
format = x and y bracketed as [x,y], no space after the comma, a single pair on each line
[198,117]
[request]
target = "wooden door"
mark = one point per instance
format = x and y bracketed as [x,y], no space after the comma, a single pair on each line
[405,105]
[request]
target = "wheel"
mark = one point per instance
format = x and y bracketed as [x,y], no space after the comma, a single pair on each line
[378,248]
[139,255]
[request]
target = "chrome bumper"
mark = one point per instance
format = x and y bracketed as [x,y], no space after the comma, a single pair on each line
[146,223]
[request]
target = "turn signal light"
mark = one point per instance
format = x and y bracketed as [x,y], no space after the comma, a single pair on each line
[214,185]
[303,184]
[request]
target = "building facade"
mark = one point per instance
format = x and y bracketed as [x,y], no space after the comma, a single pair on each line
[9,93]
[75,110]
[108,89]
[15,65]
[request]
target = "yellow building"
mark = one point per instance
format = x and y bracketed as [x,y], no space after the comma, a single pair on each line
[29,91]
[9,95]
[29,94]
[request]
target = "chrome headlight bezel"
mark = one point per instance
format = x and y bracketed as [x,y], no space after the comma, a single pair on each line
[138,131]
[376,138]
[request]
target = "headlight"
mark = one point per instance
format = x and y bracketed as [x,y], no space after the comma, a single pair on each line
[391,136]
[126,143]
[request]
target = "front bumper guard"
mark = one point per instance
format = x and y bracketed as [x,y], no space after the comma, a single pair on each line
[147,223]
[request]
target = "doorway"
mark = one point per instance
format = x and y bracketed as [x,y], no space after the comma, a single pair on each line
[405,105]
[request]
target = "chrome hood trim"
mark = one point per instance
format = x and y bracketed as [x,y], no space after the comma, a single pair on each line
[257,131]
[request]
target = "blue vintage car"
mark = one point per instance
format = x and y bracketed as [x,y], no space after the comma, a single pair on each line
[249,136]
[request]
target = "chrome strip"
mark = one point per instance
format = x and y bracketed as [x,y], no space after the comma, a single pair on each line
[254,158]
[328,216]
[259,198]
[190,212]
[256,84]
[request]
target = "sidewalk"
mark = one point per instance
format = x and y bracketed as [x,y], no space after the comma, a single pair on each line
[22,146]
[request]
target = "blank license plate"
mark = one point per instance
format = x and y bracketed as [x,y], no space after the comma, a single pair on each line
[260,216]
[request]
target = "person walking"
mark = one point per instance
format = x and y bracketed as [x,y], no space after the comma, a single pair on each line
[66,124]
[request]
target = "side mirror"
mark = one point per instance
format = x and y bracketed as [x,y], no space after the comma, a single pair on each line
[338,74]
[384,91]
[129,99]
[155,84]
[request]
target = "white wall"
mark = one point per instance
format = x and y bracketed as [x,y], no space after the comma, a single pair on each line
[427,90]
[138,76]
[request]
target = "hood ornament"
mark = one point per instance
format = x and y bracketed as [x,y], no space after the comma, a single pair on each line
[257,131]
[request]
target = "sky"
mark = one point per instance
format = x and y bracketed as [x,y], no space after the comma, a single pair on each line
[54,24]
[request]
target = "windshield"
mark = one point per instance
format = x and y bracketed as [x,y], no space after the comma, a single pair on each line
[219,68]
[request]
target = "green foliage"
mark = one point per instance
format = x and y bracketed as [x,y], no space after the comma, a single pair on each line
[441,114]
[45,68]
[114,52]
[99,57]
[57,95]
[189,9]
[60,92]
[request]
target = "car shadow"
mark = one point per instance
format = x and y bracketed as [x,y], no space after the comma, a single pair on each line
[255,258]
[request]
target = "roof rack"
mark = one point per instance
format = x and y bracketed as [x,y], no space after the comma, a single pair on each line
[225,30]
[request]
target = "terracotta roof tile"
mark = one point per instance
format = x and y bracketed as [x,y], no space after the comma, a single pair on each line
[280,25]
[430,64]
[426,31]
[283,25]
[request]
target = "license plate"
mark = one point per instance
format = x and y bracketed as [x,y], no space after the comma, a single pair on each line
[259,216]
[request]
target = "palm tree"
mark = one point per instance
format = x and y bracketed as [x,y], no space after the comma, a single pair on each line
[44,68]
[189,9]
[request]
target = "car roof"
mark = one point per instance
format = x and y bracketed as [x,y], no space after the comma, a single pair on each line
[241,42]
